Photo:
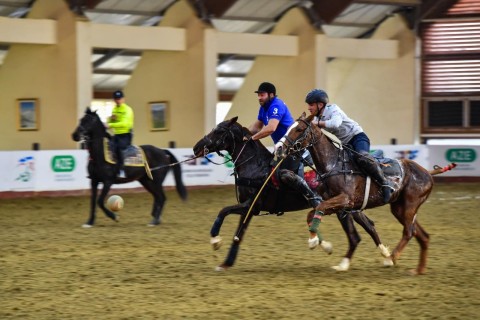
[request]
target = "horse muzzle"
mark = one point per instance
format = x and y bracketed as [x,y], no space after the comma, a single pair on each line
[280,152]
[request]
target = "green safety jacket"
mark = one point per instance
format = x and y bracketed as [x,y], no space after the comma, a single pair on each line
[123,120]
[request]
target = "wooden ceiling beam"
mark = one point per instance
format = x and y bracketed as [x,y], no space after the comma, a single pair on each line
[434,9]
[218,8]
[328,10]
[391,2]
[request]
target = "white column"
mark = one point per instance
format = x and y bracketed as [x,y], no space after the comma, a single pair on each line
[321,61]
[210,82]
[84,68]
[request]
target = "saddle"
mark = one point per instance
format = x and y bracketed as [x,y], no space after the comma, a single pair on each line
[133,156]
[391,168]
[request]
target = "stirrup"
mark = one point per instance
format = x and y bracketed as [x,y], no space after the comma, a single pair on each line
[121,174]
[387,192]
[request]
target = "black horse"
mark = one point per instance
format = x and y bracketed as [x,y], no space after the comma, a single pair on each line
[92,131]
[252,167]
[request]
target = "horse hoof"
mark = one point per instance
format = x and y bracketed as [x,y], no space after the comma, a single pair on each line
[343,266]
[86,226]
[221,268]
[216,242]
[327,246]
[387,262]
[313,243]
[416,272]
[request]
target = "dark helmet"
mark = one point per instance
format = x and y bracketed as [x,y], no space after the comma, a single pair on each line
[118,94]
[266,87]
[315,96]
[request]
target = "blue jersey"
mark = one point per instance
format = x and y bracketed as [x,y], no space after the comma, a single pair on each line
[276,109]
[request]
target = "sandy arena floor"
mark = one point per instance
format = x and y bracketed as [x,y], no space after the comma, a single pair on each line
[51,268]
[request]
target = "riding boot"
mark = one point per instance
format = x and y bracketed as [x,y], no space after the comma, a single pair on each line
[370,167]
[297,183]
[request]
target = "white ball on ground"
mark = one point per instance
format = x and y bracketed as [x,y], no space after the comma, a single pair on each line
[115,203]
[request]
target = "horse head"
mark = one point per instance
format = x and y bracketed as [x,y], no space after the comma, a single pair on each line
[88,126]
[299,137]
[224,136]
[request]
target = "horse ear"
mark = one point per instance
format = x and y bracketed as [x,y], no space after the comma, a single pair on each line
[88,110]
[233,120]
[304,115]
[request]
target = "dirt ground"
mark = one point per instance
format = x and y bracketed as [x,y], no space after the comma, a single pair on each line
[51,268]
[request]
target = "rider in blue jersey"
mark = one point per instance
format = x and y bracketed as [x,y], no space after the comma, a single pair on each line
[273,120]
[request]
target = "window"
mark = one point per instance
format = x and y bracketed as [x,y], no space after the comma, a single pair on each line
[451,72]
[453,115]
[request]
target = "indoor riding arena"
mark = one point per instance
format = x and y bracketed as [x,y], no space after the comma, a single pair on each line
[151,156]
[53,269]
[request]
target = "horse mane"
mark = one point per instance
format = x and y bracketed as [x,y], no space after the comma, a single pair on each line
[89,112]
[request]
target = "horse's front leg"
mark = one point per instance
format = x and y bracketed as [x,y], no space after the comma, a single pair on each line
[329,206]
[239,233]
[315,235]
[101,202]
[216,240]
[93,203]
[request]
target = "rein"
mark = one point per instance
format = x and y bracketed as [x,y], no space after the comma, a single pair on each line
[174,164]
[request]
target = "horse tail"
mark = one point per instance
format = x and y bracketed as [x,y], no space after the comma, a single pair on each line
[177,173]
[437,169]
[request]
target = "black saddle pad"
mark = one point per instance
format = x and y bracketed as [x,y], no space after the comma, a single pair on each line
[391,168]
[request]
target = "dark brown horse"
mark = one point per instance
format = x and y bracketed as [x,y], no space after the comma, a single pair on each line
[252,162]
[92,131]
[345,186]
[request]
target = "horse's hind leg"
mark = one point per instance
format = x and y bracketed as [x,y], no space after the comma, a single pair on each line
[406,215]
[159,198]
[369,226]
[423,239]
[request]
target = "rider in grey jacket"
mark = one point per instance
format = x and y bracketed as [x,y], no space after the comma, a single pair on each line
[335,120]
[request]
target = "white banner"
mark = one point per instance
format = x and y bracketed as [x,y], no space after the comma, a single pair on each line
[58,170]
[466,158]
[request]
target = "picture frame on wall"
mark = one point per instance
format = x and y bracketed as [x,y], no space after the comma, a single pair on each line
[158,115]
[28,112]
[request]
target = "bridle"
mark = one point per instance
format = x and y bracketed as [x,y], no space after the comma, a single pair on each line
[296,146]
[228,132]
[85,133]
[220,141]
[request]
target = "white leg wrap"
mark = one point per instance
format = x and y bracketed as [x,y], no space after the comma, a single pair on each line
[313,243]
[216,242]
[384,250]
[343,266]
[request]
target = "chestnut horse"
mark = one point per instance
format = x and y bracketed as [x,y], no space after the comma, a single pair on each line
[252,161]
[93,132]
[346,185]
